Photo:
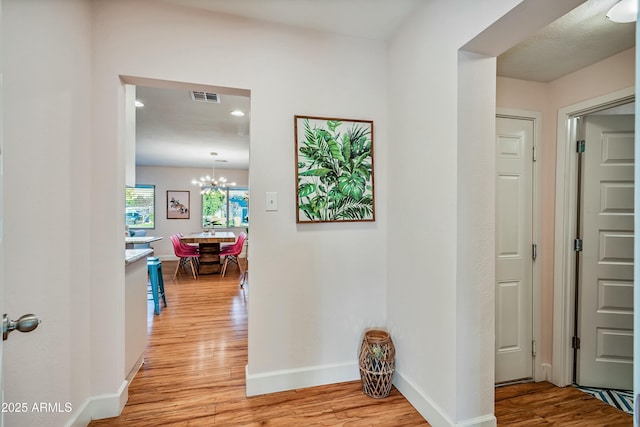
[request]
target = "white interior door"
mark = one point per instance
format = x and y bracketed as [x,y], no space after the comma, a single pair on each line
[605,290]
[514,239]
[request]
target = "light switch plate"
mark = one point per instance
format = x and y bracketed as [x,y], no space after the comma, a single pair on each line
[272,201]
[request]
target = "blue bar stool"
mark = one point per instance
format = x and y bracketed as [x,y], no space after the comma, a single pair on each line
[157,282]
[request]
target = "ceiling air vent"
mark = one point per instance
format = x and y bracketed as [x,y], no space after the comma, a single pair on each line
[205,97]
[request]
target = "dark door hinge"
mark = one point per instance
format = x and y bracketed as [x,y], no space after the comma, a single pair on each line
[534,251]
[575,343]
[577,245]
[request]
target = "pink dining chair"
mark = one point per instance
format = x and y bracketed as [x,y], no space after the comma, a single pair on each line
[185,257]
[186,248]
[232,252]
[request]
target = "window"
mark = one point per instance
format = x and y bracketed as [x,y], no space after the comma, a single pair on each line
[140,206]
[225,208]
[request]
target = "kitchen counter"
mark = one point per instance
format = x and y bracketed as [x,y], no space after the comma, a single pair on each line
[135,309]
[130,241]
[133,255]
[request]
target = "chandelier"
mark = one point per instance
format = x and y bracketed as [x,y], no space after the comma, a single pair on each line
[210,184]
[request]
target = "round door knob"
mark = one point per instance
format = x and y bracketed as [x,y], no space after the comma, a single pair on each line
[25,323]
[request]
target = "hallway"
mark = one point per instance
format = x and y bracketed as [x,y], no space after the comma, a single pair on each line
[194,375]
[194,370]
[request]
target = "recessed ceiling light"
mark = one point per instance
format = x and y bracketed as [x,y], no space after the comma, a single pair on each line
[139,103]
[237,113]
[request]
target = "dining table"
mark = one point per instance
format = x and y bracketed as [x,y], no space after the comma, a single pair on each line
[209,245]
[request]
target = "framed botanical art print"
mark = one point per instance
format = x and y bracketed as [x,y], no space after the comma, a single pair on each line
[177,204]
[334,169]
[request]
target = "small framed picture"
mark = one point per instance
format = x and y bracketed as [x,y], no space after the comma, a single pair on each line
[178,204]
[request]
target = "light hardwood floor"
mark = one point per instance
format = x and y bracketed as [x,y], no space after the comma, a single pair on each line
[193,375]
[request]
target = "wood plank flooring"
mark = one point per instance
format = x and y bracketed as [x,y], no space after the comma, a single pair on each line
[543,404]
[193,375]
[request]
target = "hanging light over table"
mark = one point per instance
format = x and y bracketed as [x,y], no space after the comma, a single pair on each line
[210,184]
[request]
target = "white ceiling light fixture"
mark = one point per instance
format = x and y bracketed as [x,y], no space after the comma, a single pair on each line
[210,184]
[624,11]
[237,113]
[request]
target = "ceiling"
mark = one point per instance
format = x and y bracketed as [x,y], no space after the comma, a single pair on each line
[376,19]
[580,38]
[174,130]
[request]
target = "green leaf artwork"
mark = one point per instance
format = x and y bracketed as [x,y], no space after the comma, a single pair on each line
[335,169]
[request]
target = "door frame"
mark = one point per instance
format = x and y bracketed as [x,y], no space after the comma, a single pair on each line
[565,224]
[539,372]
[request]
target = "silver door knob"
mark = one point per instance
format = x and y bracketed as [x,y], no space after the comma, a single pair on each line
[26,323]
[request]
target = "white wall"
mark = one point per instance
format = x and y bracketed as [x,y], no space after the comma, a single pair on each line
[172,178]
[423,268]
[476,237]
[314,288]
[47,174]
[441,280]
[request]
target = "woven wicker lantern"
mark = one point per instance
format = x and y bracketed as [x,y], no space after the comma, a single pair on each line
[377,363]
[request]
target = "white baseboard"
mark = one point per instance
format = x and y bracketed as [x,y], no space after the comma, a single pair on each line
[425,407]
[110,405]
[291,379]
[82,416]
[135,369]
[430,411]
[483,421]
[98,407]
[544,373]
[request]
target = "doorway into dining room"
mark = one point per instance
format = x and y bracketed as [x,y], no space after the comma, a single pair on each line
[177,127]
